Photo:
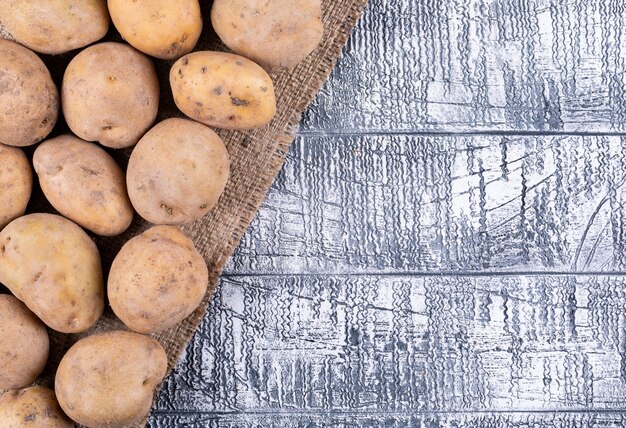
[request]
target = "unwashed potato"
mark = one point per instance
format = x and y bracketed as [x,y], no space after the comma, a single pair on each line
[177,172]
[16,183]
[107,380]
[164,29]
[157,280]
[55,26]
[35,407]
[84,184]
[52,265]
[223,90]
[110,94]
[24,344]
[29,101]
[277,34]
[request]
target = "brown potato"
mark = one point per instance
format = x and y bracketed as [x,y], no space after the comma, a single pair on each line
[107,380]
[29,101]
[164,29]
[157,280]
[35,407]
[277,34]
[177,172]
[52,265]
[16,183]
[55,26]
[110,94]
[24,344]
[223,90]
[84,184]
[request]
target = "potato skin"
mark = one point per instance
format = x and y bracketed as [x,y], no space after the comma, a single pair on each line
[157,280]
[275,34]
[52,265]
[24,344]
[35,407]
[55,26]
[107,380]
[84,184]
[16,183]
[29,100]
[110,94]
[223,90]
[164,29]
[177,172]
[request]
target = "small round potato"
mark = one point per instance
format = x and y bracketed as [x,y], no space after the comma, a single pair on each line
[16,183]
[177,172]
[35,407]
[110,94]
[164,29]
[157,280]
[55,26]
[29,101]
[84,184]
[108,380]
[52,265]
[223,90]
[24,344]
[277,34]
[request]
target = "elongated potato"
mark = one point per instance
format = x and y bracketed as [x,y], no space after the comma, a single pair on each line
[35,407]
[164,29]
[157,280]
[29,101]
[52,265]
[84,184]
[24,344]
[107,380]
[16,183]
[276,34]
[55,26]
[223,90]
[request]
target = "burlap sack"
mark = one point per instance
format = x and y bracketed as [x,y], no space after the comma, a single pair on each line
[256,159]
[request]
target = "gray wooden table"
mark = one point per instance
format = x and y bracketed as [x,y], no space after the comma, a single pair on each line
[446,244]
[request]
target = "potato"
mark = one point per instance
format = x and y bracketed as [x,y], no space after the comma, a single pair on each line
[16,183]
[24,344]
[157,280]
[29,101]
[55,26]
[107,380]
[84,184]
[277,34]
[177,172]
[51,265]
[35,407]
[223,90]
[164,29]
[110,94]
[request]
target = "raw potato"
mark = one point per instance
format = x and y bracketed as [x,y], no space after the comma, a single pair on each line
[177,172]
[16,183]
[24,344]
[157,280]
[51,265]
[108,380]
[35,407]
[55,26]
[223,90]
[110,94]
[84,184]
[164,29]
[29,101]
[277,34]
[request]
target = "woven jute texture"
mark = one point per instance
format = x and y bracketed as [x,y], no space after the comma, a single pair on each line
[256,157]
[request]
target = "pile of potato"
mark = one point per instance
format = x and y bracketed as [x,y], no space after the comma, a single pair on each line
[176,173]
